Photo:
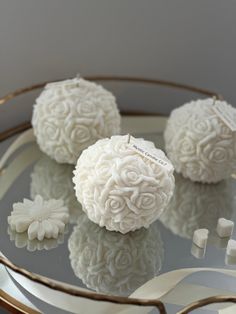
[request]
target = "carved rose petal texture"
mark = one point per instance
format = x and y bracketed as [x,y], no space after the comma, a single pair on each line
[113,263]
[71,115]
[120,189]
[199,144]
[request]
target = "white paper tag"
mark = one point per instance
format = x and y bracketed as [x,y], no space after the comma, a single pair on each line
[143,152]
[67,83]
[225,114]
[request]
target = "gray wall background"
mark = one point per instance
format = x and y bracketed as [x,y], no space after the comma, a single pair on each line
[187,41]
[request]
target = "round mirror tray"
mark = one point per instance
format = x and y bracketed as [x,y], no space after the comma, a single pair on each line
[91,270]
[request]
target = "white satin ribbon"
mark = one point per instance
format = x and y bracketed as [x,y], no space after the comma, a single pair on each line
[9,287]
[159,287]
[228,310]
[82,305]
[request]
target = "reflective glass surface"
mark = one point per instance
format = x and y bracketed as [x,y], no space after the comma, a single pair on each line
[108,262]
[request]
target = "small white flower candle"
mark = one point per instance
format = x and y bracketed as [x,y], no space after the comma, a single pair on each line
[200,143]
[119,187]
[39,218]
[71,115]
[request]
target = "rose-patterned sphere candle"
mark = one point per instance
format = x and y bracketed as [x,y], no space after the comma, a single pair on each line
[119,187]
[200,142]
[71,115]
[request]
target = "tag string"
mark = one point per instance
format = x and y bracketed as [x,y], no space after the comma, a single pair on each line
[129,136]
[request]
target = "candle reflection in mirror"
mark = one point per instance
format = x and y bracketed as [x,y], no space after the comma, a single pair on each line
[113,263]
[195,205]
[21,240]
[54,181]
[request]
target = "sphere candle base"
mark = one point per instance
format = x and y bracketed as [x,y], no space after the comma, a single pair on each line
[121,189]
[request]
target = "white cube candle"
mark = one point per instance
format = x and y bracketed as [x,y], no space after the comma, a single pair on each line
[119,187]
[224,227]
[200,237]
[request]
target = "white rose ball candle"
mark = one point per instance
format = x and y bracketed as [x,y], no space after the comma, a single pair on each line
[119,187]
[71,115]
[200,144]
